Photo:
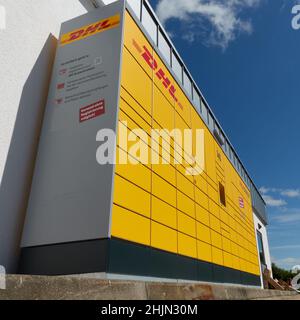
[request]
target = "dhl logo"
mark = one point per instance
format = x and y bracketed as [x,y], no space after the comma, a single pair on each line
[90,30]
[159,72]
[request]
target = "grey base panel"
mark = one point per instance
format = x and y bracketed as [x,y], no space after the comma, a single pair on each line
[117,256]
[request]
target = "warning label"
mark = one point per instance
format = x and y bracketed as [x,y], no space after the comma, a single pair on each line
[92,111]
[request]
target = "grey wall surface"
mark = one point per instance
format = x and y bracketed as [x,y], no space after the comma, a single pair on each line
[71,193]
[17,175]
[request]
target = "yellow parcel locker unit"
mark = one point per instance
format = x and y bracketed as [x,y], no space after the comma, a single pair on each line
[139,218]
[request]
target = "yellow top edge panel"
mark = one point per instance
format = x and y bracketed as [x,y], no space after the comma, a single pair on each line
[90,30]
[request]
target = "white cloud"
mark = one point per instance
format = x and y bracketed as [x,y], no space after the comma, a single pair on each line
[287,263]
[264,190]
[272,202]
[286,247]
[287,193]
[223,17]
[291,193]
[288,217]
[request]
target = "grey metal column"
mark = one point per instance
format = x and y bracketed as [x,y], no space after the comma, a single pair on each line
[71,196]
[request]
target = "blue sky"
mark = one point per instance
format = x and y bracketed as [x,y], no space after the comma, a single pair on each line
[245,56]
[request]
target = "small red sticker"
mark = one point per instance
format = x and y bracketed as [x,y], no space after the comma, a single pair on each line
[60,86]
[59,101]
[92,111]
[62,72]
[241,203]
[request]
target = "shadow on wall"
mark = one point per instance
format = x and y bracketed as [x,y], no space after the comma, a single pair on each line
[18,171]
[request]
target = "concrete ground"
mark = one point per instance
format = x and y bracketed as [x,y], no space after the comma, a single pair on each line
[297,297]
[85,288]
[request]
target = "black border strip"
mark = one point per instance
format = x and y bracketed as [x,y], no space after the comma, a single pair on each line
[122,257]
[138,260]
[65,258]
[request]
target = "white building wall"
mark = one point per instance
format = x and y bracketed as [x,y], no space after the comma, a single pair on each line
[26,56]
[28,25]
[263,230]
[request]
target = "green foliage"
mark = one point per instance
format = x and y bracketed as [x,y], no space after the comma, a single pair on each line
[281,274]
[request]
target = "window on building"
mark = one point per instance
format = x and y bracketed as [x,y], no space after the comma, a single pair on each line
[135,5]
[187,83]
[235,161]
[197,100]
[239,167]
[204,113]
[216,128]
[149,24]
[201,104]
[164,47]
[248,182]
[226,147]
[261,249]
[230,154]
[222,194]
[211,122]
[222,138]
[176,67]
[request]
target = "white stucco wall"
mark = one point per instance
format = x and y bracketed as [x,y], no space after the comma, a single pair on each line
[263,230]
[28,25]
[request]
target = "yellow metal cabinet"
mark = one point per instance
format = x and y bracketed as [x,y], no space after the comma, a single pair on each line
[134,42]
[136,82]
[226,244]
[137,122]
[131,197]
[163,238]
[130,226]
[236,262]
[161,77]
[228,261]
[214,208]
[213,193]
[187,246]
[163,190]
[165,171]
[137,174]
[216,239]
[202,215]
[201,182]
[203,233]
[201,198]
[185,204]
[186,224]
[224,216]
[164,213]
[204,251]
[163,111]
[183,107]
[128,124]
[215,223]
[217,256]
[185,186]
[129,102]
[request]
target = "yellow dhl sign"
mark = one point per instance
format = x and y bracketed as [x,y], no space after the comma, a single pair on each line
[90,30]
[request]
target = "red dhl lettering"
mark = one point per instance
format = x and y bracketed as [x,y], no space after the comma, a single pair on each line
[90,30]
[159,72]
